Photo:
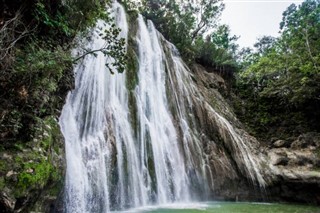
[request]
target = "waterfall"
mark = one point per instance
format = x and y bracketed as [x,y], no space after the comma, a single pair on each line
[96,106]
[157,138]
[115,165]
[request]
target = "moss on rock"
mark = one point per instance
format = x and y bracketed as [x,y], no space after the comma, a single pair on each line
[33,172]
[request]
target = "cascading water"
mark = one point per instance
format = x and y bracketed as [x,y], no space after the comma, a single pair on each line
[114,165]
[98,98]
[107,166]
[157,136]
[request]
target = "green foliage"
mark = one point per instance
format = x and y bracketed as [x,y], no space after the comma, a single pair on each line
[182,22]
[264,45]
[34,166]
[53,20]
[131,5]
[206,13]
[185,24]
[281,79]
[35,76]
[35,175]
[218,51]
[30,87]
[132,69]
[114,48]
[37,60]
[83,14]
[286,68]
[36,66]
[2,183]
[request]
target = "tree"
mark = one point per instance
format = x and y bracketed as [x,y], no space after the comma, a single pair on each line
[218,50]
[300,29]
[280,80]
[182,22]
[36,61]
[264,44]
[207,13]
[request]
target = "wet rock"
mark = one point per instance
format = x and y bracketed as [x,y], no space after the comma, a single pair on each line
[278,157]
[281,143]
[298,144]
[6,156]
[11,173]
[281,161]
[29,171]
[306,140]
[6,203]
[301,160]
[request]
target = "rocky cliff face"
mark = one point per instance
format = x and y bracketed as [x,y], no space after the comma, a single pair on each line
[235,156]
[290,167]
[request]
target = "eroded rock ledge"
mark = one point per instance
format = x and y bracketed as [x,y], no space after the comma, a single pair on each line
[295,169]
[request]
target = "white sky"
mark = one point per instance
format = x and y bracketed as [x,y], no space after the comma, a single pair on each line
[252,19]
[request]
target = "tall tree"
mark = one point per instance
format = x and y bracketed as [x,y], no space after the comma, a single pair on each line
[300,28]
[207,13]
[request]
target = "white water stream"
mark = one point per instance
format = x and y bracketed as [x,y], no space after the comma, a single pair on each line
[113,165]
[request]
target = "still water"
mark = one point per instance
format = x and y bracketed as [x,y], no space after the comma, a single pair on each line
[228,207]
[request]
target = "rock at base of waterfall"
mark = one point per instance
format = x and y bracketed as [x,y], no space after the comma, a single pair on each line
[295,170]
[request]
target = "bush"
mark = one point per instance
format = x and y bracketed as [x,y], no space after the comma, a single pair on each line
[36,63]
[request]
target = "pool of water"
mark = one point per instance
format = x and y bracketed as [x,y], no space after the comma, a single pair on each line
[228,207]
